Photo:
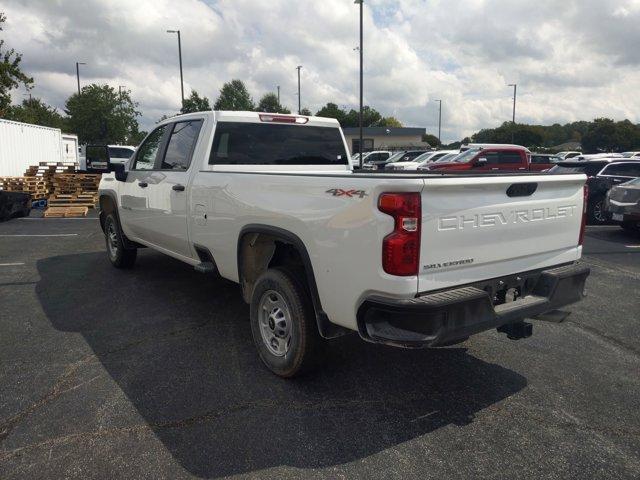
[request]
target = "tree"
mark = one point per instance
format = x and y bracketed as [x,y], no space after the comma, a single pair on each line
[431,139]
[234,96]
[331,110]
[391,122]
[35,111]
[195,103]
[370,117]
[306,111]
[11,76]
[102,115]
[269,103]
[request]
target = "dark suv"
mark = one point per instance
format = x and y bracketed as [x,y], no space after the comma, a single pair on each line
[602,175]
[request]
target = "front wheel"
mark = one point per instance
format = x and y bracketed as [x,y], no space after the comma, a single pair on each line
[119,256]
[283,324]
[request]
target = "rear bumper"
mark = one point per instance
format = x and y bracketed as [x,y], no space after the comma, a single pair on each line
[440,318]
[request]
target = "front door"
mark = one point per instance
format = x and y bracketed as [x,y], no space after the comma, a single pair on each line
[134,202]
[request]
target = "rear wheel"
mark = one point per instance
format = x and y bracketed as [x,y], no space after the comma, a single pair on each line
[119,256]
[596,212]
[283,324]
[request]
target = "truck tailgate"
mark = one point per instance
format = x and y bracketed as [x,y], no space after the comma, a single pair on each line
[478,228]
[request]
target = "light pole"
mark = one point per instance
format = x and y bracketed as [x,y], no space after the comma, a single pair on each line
[515,92]
[278,94]
[78,74]
[180,59]
[361,2]
[120,87]
[299,67]
[439,122]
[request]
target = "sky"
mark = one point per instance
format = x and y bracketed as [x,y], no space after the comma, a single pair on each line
[572,59]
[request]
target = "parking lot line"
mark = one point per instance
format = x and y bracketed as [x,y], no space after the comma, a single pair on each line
[47,235]
[11,264]
[632,246]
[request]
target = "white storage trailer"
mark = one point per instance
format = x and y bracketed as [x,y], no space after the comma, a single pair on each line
[23,145]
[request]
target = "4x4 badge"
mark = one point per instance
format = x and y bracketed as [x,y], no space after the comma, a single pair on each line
[339,192]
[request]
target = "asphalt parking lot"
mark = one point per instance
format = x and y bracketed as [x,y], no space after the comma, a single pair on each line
[151,373]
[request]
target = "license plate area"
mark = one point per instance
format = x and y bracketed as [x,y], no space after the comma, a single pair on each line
[617,217]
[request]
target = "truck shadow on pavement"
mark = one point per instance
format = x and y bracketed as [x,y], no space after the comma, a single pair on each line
[178,344]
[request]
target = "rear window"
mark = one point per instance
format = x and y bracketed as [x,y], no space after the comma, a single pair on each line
[117,152]
[237,143]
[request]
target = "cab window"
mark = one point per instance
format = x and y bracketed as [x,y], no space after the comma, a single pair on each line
[182,142]
[148,151]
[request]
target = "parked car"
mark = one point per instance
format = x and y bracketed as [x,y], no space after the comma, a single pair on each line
[380,164]
[271,202]
[568,154]
[630,154]
[602,175]
[622,203]
[413,164]
[120,153]
[372,157]
[489,160]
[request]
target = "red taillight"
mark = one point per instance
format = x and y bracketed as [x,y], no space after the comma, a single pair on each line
[283,119]
[401,248]
[583,225]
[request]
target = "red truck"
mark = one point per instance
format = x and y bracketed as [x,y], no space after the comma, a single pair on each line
[507,158]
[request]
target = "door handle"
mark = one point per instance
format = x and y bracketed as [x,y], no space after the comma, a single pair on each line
[178,188]
[143,184]
[521,168]
[495,168]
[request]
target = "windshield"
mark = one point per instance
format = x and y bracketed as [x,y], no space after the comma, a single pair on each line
[449,157]
[634,182]
[395,157]
[463,157]
[425,157]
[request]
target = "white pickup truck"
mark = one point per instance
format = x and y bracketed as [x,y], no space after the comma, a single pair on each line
[414,260]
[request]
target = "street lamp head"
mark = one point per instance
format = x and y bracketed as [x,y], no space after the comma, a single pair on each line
[173,31]
[358,2]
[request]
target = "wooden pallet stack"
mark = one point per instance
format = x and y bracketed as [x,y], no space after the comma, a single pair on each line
[46,171]
[74,194]
[35,186]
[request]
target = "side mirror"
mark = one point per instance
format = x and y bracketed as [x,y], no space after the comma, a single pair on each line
[120,171]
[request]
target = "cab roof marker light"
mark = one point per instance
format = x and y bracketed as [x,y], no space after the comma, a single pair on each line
[283,119]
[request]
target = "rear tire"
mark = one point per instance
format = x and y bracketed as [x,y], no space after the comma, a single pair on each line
[119,255]
[596,213]
[283,324]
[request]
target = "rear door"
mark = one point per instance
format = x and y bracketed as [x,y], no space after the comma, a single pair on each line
[474,228]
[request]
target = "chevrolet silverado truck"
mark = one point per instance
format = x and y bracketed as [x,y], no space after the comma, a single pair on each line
[271,202]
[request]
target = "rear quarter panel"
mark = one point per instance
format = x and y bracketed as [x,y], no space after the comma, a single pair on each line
[342,233]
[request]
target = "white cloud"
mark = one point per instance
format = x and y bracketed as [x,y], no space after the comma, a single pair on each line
[575,59]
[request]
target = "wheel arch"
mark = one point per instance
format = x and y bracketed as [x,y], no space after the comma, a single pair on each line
[259,246]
